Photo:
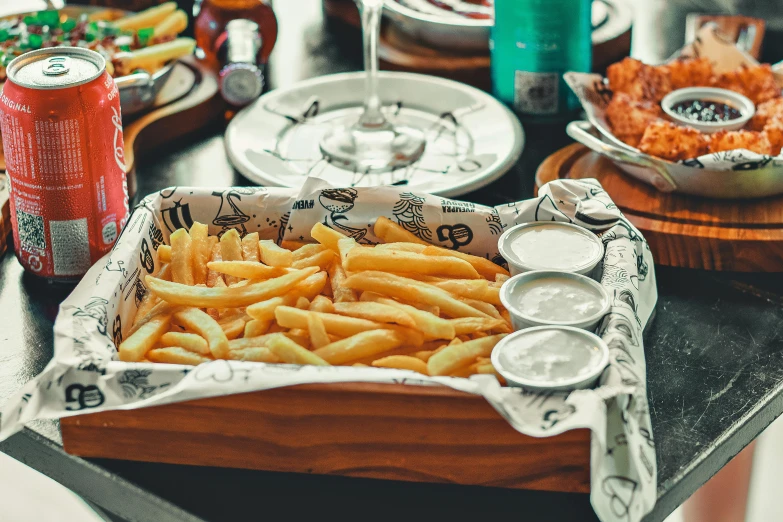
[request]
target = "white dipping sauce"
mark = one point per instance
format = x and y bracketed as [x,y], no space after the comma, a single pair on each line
[554,247]
[557,299]
[550,356]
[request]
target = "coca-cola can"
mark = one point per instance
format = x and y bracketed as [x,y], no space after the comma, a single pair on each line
[62,136]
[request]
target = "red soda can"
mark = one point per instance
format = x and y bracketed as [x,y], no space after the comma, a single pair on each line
[62,135]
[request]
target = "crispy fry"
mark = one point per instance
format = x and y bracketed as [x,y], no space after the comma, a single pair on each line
[424,355]
[164,254]
[337,279]
[418,248]
[471,325]
[208,328]
[321,304]
[326,236]
[153,57]
[172,25]
[201,249]
[190,342]
[164,272]
[363,344]
[273,255]
[321,259]
[689,72]
[246,269]
[290,352]
[181,258]
[345,246]
[135,346]
[309,288]
[411,290]
[390,232]
[250,247]
[227,297]
[374,311]
[318,336]
[487,308]
[176,355]
[308,250]
[212,276]
[147,302]
[756,82]
[402,362]
[147,18]
[292,245]
[234,328]
[254,328]
[255,354]
[457,356]
[231,250]
[477,289]
[289,317]
[400,261]
[485,267]
[429,324]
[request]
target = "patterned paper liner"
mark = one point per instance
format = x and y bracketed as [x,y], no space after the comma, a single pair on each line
[85,375]
[594,94]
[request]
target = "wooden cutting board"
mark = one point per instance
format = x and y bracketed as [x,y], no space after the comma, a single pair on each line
[683,231]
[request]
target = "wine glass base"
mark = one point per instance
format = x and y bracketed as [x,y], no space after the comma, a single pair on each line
[373,150]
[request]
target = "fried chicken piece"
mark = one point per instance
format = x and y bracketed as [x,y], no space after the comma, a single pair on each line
[732,140]
[672,142]
[773,131]
[765,112]
[689,72]
[638,80]
[757,82]
[629,118]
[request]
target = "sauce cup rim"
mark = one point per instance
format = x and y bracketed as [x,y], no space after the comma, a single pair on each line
[739,101]
[512,282]
[512,259]
[569,384]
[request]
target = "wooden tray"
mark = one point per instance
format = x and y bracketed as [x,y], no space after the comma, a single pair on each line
[398,52]
[683,231]
[387,431]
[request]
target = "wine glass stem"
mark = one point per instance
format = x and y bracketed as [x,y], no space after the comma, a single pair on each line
[371,28]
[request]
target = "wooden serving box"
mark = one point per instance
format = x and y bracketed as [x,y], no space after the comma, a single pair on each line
[386,431]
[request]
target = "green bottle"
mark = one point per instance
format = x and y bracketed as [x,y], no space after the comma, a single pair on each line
[533,42]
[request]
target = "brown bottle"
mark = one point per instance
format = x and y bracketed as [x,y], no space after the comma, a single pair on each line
[212,16]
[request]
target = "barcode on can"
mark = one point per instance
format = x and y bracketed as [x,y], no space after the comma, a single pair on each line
[31,231]
[70,246]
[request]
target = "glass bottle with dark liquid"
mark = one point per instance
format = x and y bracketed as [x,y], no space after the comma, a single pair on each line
[236,37]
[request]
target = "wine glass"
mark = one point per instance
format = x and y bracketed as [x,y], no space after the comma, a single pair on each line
[372,143]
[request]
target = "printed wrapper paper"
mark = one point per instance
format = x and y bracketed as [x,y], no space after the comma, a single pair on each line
[85,375]
[594,94]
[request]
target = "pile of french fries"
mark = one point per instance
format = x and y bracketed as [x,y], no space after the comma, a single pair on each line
[166,22]
[400,304]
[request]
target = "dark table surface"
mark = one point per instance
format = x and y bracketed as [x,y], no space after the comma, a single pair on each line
[714,356]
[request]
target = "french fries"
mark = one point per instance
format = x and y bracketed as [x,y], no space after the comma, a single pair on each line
[147,18]
[391,232]
[273,255]
[404,304]
[400,261]
[153,57]
[176,293]
[172,25]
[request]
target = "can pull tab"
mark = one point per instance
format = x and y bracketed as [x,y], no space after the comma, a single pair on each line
[56,65]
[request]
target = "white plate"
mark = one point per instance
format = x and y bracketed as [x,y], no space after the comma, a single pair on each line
[472,139]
